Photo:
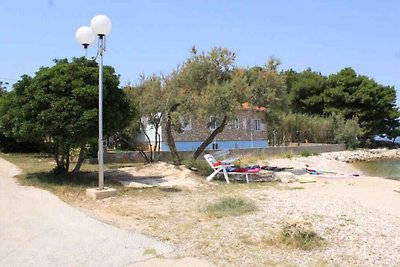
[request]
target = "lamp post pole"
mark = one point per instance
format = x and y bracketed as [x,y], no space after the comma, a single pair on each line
[100,25]
[101,146]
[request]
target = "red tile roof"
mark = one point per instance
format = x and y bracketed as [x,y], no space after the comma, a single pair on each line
[246,106]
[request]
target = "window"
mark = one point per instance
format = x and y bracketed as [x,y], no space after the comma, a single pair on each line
[234,124]
[244,124]
[186,124]
[256,125]
[212,125]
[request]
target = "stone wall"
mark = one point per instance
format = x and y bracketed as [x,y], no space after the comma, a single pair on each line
[134,156]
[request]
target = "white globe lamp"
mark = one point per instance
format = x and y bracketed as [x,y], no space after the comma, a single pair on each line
[85,36]
[101,25]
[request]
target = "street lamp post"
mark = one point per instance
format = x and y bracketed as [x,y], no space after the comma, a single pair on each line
[100,25]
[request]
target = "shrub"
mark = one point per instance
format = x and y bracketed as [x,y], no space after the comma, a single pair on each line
[200,165]
[298,235]
[346,132]
[230,206]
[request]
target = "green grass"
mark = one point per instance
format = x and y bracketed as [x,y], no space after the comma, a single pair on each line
[37,171]
[230,206]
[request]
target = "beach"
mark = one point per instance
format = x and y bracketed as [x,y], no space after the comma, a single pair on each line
[356,215]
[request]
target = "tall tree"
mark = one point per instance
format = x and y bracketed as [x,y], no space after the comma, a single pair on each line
[306,91]
[149,97]
[203,89]
[60,104]
[357,96]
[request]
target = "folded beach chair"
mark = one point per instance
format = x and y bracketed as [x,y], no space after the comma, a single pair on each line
[227,169]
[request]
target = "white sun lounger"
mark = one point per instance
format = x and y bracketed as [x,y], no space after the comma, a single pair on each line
[221,168]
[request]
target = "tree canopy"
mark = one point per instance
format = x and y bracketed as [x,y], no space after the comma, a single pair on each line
[346,93]
[60,105]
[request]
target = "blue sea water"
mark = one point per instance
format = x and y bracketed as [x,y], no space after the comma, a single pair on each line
[382,168]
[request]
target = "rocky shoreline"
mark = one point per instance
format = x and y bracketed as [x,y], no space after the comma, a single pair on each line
[351,156]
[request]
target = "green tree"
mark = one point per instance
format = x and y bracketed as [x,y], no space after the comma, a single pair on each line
[393,129]
[209,85]
[3,88]
[60,105]
[353,95]
[266,87]
[149,97]
[201,88]
[306,91]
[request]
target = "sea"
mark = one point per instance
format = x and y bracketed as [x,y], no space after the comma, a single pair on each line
[387,168]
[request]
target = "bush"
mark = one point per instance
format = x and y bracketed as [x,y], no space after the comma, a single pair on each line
[230,206]
[302,128]
[346,132]
[200,165]
[297,235]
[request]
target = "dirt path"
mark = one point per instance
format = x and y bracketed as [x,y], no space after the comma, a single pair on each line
[38,229]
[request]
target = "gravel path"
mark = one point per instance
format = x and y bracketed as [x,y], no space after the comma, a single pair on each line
[38,229]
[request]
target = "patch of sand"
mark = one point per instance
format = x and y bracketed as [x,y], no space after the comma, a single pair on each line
[155,174]
[338,179]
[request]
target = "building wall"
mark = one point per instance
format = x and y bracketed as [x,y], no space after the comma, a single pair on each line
[223,144]
[236,135]
[244,132]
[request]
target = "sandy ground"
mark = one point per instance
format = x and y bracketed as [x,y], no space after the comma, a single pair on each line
[338,179]
[358,216]
[159,174]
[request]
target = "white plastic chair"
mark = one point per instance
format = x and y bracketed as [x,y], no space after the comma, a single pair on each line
[221,167]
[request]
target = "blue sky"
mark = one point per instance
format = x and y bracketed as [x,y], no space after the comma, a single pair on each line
[155,36]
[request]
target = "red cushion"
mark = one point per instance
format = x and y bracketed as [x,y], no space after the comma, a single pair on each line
[216,164]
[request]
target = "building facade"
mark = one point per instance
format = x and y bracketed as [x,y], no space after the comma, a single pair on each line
[247,130]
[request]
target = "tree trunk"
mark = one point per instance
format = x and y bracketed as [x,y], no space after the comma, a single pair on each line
[209,139]
[170,137]
[148,141]
[56,154]
[158,146]
[81,158]
[60,156]
[140,150]
[66,158]
[62,160]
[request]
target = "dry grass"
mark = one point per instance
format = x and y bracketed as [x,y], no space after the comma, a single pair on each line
[230,206]
[297,235]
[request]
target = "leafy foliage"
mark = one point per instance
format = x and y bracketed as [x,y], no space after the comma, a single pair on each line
[3,87]
[302,128]
[60,105]
[210,85]
[306,92]
[149,97]
[348,94]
